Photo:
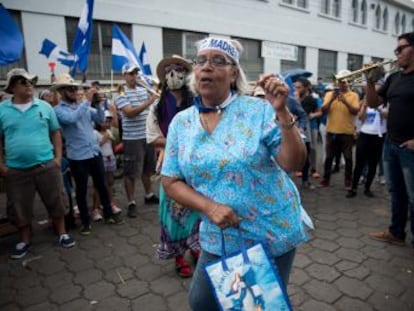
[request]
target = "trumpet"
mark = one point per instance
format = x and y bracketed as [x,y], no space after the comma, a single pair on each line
[120,89]
[150,90]
[357,76]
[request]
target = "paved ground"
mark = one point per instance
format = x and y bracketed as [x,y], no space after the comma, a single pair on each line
[115,268]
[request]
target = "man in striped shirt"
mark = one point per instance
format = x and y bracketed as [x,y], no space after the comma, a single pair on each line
[139,157]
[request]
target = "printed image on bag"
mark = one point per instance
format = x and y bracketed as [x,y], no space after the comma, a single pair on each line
[247,282]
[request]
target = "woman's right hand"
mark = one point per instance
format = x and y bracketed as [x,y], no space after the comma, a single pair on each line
[223,216]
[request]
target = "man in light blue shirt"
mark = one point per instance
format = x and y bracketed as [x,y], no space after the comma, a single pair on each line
[82,148]
[33,151]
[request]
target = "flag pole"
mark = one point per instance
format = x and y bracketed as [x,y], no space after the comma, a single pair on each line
[112,79]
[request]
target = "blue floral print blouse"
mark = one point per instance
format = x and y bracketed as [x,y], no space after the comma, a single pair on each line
[234,165]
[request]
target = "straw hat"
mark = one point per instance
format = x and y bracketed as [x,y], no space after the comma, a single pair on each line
[63,80]
[175,59]
[18,72]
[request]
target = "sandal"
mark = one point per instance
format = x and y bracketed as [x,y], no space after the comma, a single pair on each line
[182,267]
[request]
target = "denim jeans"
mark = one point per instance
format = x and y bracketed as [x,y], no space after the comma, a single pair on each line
[399,173]
[201,297]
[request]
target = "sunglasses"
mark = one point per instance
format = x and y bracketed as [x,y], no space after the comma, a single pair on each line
[70,88]
[178,68]
[401,48]
[215,61]
[24,81]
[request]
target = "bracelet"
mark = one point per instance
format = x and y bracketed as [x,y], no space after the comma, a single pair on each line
[286,126]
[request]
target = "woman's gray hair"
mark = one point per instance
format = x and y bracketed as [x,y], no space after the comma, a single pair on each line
[240,86]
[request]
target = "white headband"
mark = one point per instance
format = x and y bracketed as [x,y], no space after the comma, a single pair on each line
[222,45]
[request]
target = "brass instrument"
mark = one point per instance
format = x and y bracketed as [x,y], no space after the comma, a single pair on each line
[150,90]
[120,89]
[357,76]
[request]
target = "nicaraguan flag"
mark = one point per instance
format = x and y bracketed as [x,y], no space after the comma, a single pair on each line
[123,52]
[83,37]
[143,57]
[11,39]
[54,52]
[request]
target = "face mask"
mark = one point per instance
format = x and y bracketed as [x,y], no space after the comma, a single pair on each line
[175,80]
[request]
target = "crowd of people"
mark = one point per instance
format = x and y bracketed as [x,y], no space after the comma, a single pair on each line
[227,157]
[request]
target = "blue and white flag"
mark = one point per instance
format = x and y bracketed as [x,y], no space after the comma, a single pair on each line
[11,39]
[123,52]
[143,57]
[54,52]
[83,37]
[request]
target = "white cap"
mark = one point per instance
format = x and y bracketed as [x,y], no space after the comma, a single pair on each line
[128,68]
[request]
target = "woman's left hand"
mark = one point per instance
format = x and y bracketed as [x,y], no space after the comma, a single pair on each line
[276,91]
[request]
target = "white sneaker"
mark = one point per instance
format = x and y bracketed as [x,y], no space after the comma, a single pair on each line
[96,215]
[115,209]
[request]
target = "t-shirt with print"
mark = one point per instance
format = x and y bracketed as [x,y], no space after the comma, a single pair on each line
[133,128]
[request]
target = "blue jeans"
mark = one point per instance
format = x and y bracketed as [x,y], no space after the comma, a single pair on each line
[399,172]
[201,297]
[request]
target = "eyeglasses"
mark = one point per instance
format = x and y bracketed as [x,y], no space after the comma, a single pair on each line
[24,81]
[400,48]
[70,88]
[178,68]
[215,61]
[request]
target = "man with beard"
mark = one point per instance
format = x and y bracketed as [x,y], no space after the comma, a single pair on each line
[82,148]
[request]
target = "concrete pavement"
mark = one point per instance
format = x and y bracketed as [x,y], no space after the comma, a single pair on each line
[115,268]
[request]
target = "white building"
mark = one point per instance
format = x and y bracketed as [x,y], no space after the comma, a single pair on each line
[322,36]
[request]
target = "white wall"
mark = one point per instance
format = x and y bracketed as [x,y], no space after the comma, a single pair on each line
[253,19]
[37,27]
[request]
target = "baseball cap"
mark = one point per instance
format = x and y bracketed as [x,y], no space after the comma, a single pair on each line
[128,68]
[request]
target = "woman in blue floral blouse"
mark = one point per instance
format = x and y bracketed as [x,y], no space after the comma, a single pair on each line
[227,157]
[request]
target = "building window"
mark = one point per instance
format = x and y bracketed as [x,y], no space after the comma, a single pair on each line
[100,54]
[377,59]
[403,24]
[16,15]
[299,3]
[397,24]
[325,7]
[385,20]
[180,42]
[355,9]
[332,8]
[251,60]
[378,17]
[364,12]
[336,8]
[327,61]
[299,63]
[354,62]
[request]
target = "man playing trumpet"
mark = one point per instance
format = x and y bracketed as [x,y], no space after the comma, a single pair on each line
[139,158]
[398,93]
